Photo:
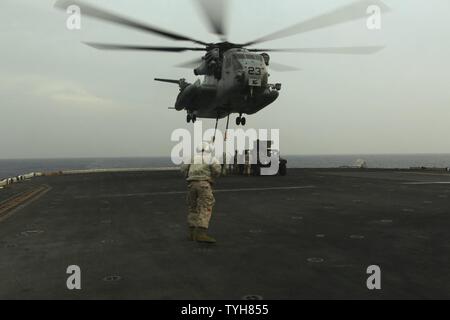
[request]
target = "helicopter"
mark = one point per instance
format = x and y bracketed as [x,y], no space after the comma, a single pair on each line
[236,76]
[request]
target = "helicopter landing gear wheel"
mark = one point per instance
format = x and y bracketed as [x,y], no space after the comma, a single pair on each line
[241,121]
[191,118]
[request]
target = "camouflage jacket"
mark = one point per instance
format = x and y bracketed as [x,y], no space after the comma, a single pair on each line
[204,168]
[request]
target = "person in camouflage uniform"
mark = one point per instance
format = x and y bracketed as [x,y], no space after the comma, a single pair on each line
[200,199]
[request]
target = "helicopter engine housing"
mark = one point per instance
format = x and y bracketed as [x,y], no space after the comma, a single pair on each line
[210,64]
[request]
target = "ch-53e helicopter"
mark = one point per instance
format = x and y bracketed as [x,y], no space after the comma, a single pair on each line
[236,77]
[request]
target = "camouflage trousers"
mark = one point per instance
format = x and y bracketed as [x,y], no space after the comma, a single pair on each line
[200,200]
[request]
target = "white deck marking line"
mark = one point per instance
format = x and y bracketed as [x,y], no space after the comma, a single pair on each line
[429,182]
[444,174]
[162,193]
[264,189]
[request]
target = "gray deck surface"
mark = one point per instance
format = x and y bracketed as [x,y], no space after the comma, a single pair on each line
[311,234]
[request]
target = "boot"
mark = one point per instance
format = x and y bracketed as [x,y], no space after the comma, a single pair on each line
[201,235]
[192,233]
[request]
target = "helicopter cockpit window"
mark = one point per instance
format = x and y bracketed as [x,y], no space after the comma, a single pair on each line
[247,56]
[241,59]
[256,57]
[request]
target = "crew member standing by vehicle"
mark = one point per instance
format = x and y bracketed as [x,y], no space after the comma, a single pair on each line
[200,198]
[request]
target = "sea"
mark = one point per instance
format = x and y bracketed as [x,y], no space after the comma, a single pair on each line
[15,167]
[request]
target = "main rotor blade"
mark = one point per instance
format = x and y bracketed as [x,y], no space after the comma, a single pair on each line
[105,46]
[190,64]
[282,67]
[353,11]
[215,13]
[92,11]
[336,50]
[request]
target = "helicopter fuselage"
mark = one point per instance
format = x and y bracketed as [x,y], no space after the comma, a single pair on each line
[241,87]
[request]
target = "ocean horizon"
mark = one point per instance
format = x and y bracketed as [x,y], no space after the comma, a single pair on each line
[15,167]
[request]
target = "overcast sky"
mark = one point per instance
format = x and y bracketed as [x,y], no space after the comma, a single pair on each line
[60,98]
